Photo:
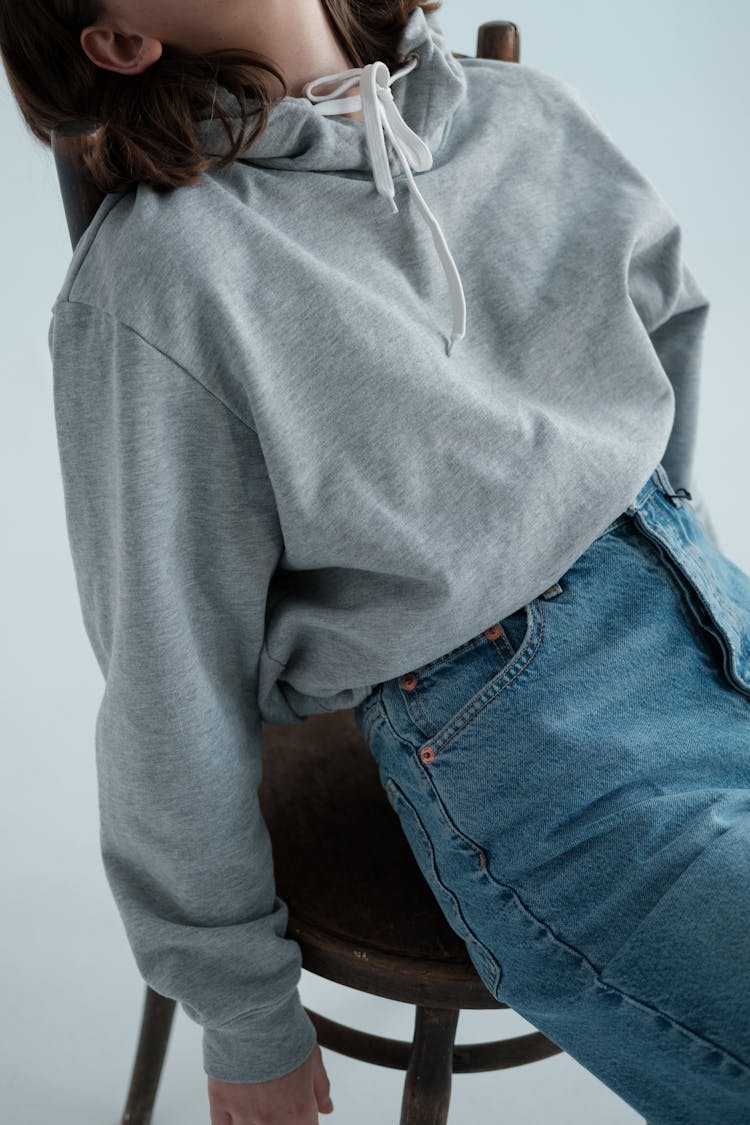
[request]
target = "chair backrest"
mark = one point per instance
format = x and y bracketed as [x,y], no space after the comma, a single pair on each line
[496,39]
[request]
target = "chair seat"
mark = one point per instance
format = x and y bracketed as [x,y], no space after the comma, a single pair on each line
[359,906]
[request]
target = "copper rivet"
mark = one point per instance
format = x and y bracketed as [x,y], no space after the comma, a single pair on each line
[492,632]
[427,753]
[409,681]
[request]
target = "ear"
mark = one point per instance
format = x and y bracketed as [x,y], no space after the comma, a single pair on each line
[113,50]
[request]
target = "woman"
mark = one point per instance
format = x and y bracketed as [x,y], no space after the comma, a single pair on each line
[333,436]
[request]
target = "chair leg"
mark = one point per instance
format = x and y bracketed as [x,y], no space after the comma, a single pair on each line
[156,1024]
[427,1088]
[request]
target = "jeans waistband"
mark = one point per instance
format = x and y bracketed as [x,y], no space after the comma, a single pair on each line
[660,480]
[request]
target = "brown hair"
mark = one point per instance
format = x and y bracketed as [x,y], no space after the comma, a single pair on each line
[144,123]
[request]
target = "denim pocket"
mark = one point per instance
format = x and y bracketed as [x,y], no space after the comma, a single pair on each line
[443,695]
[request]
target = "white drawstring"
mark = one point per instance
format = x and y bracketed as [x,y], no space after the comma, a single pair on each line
[381,115]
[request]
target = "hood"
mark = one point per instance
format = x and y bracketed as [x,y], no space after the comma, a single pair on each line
[406,113]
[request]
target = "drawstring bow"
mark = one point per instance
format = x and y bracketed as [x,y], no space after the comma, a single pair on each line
[381,116]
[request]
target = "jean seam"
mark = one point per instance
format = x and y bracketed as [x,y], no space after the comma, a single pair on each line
[371,706]
[399,738]
[632,508]
[700,570]
[500,682]
[457,651]
[684,584]
[497,968]
[660,569]
[511,655]
[508,653]
[374,715]
[616,523]
[550,934]
[418,702]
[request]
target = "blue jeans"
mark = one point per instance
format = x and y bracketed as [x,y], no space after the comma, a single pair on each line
[574,783]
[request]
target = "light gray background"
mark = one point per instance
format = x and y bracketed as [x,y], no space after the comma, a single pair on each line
[669,82]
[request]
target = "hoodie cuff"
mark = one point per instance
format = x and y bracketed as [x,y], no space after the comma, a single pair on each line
[260,1045]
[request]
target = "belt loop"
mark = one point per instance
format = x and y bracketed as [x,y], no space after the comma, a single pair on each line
[666,486]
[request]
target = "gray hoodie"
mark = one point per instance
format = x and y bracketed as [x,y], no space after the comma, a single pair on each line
[320,420]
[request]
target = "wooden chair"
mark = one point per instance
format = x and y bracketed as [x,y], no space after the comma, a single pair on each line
[359,907]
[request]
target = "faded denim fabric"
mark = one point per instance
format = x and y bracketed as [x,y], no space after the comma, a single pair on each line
[574,782]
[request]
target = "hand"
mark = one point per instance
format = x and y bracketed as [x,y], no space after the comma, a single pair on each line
[294,1099]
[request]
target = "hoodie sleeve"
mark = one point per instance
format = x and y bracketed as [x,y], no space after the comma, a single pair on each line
[174,536]
[674,311]
[662,289]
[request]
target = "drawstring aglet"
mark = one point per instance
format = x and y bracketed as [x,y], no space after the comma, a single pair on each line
[454,338]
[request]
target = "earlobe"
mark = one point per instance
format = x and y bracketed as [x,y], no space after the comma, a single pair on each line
[124,54]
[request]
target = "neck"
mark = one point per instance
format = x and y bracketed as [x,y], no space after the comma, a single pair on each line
[298,37]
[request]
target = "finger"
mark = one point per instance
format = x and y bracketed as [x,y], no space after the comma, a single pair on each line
[322,1087]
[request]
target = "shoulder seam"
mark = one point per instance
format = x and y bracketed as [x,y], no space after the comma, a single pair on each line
[88,237]
[106,312]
